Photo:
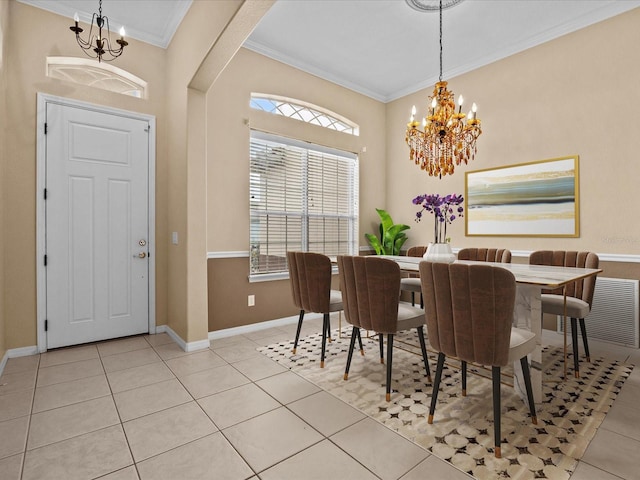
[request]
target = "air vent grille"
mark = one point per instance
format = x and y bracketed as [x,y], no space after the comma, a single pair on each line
[614,314]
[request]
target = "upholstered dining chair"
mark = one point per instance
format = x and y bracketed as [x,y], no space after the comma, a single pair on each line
[371,295]
[579,294]
[500,255]
[469,311]
[310,279]
[412,282]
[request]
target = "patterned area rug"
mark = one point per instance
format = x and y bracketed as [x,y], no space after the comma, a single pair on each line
[462,431]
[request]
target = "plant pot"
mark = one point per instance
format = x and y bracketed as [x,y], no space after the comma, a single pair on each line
[440,253]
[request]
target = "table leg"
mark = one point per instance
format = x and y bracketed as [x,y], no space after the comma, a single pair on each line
[528,315]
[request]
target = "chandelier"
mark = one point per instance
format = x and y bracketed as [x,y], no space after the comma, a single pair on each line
[98,45]
[448,137]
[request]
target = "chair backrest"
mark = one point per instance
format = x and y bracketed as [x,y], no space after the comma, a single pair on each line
[370,292]
[310,279]
[501,255]
[469,310]
[581,289]
[416,251]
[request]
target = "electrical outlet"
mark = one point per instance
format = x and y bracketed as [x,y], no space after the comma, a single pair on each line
[251,300]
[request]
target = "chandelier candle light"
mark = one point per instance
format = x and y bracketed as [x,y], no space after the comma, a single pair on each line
[99,44]
[448,137]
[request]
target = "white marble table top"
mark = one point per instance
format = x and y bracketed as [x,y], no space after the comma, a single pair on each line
[541,275]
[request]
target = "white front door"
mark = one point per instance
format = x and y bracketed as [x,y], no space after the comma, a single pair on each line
[96,224]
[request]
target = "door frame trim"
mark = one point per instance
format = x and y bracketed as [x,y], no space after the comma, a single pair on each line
[41,160]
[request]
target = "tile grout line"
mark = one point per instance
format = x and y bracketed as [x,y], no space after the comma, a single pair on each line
[113,399]
[33,398]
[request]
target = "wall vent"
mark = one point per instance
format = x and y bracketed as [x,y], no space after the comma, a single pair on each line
[614,315]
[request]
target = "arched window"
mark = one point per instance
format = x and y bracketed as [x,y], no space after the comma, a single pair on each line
[303,111]
[86,71]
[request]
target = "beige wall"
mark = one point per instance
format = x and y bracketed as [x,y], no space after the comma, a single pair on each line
[195,36]
[229,120]
[207,39]
[33,35]
[4,25]
[575,95]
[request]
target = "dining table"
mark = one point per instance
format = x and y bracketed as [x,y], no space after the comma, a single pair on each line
[531,280]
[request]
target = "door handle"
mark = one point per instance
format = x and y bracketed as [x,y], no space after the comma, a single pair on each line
[140,255]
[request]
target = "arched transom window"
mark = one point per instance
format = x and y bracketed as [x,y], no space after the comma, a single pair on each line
[303,111]
[87,71]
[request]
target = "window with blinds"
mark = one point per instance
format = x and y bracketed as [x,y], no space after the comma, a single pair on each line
[303,197]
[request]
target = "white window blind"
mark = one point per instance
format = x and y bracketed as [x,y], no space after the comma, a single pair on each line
[303,197]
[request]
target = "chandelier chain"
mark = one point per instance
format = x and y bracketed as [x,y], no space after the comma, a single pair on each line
[440,78]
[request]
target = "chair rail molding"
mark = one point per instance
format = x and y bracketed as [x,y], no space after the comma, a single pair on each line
[605,257]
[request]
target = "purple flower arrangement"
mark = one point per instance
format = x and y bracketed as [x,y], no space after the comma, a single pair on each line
[445,210]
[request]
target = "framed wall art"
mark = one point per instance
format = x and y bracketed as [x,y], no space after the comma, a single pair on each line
[537,199]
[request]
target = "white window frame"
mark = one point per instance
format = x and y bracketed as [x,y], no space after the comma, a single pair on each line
[300,240]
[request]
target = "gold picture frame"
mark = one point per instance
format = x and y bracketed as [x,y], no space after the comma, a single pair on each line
[534,199]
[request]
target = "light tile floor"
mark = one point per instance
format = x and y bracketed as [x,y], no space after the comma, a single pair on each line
[140,408]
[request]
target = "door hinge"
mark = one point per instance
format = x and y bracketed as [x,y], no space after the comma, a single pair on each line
[46,325]
[45,260]
[45,128]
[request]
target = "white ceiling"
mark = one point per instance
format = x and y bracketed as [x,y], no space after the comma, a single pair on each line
[151,21]
[381,48]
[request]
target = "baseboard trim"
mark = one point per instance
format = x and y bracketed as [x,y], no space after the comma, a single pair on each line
[256,327]
[17,352]
[185,346]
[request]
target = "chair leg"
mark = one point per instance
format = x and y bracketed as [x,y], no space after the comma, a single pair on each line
[295,343]
[421,302]
[464,378]
[526,373]
[413,299]
[325,329]
[360,342]
[381,341]
[495,376]
[436,387]
[574,340]
[329,328]
[423,347]
[352,344]
[585,342]
[389,362]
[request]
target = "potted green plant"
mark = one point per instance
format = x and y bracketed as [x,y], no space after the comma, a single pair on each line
[392,236]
